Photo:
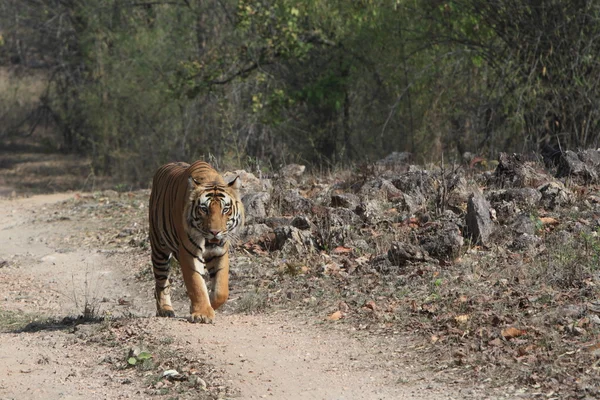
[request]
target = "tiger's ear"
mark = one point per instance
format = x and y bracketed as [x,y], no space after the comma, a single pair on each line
[235,184]
[192,183]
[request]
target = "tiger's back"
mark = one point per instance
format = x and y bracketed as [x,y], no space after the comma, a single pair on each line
[193,215]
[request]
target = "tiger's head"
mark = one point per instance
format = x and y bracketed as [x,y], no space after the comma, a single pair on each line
[215,212]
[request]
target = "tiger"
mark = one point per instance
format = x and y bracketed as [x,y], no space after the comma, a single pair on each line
[194,215]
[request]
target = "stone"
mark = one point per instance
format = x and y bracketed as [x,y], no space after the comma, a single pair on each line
[442,241]
[292,171]
[479,223]
[396,158]
[345,200]
[256,205]
[301,222]
[555,194]
[572,166]
[402,253]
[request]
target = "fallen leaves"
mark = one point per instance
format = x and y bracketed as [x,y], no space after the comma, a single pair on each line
[335,316]
[549,221]
[342,250]
[512,332]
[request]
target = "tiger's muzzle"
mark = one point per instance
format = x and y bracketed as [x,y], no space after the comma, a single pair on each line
[211,243]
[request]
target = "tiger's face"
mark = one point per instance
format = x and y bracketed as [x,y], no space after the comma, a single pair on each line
[215,212]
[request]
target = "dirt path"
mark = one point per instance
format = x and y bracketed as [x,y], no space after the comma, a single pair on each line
[276,355]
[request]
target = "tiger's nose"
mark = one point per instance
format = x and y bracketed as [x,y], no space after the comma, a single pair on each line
[215,233]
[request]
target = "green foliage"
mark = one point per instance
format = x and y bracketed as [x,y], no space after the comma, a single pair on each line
[140,358]
[134,85]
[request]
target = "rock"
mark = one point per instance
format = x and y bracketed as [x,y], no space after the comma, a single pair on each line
[254,231]
[417,184]
[173,375]
[276,222]
[524,224]
[250,183]
[292,171]
[408,203]
[527,242]
[302,223]
[479,223]
[571,165]
[396,158]
[443,242]
[514,171]
[290,202]
[390,191]
[292,240]
[362,245]
[555,194]
[345,200]
[336,227]
[379,189]
[458,193]
[523,197]
[256,206]
[111,194]
[402,253]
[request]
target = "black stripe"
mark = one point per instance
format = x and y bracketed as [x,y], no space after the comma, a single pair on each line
[212,274]
[194,255]
[193,242]
[214,257]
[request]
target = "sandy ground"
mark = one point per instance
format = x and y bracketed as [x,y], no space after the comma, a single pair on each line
[276,355]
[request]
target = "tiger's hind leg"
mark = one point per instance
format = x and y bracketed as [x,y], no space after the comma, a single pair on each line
[218,268]
[162,288]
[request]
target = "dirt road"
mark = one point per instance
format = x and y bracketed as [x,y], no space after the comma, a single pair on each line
[46,273]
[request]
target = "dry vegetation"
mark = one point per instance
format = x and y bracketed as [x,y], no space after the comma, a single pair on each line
[517,313]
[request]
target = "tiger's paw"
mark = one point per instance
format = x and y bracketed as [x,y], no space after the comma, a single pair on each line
[203,317]
[165,313]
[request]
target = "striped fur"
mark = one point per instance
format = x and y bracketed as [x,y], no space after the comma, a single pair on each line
[194,216]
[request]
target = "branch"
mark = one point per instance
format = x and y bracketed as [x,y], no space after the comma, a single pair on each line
[243,71]
[159,3]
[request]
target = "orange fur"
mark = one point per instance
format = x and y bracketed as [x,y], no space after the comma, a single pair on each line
[194,215]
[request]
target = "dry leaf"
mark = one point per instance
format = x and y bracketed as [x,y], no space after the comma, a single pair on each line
[549,221]
[371,305]
[335,316]
[512,332]
[342,250]
[414,306]
[524,350]
[595,348]
[461,319]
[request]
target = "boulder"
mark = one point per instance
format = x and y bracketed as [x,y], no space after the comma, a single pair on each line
[401,253]
[292,171]
[256,205]
[555,194]
[514,170]
[572,165]
[442,241]
[345,200]
[479,223]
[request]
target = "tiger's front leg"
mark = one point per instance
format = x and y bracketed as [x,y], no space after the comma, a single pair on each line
[200,308]
[218,268]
